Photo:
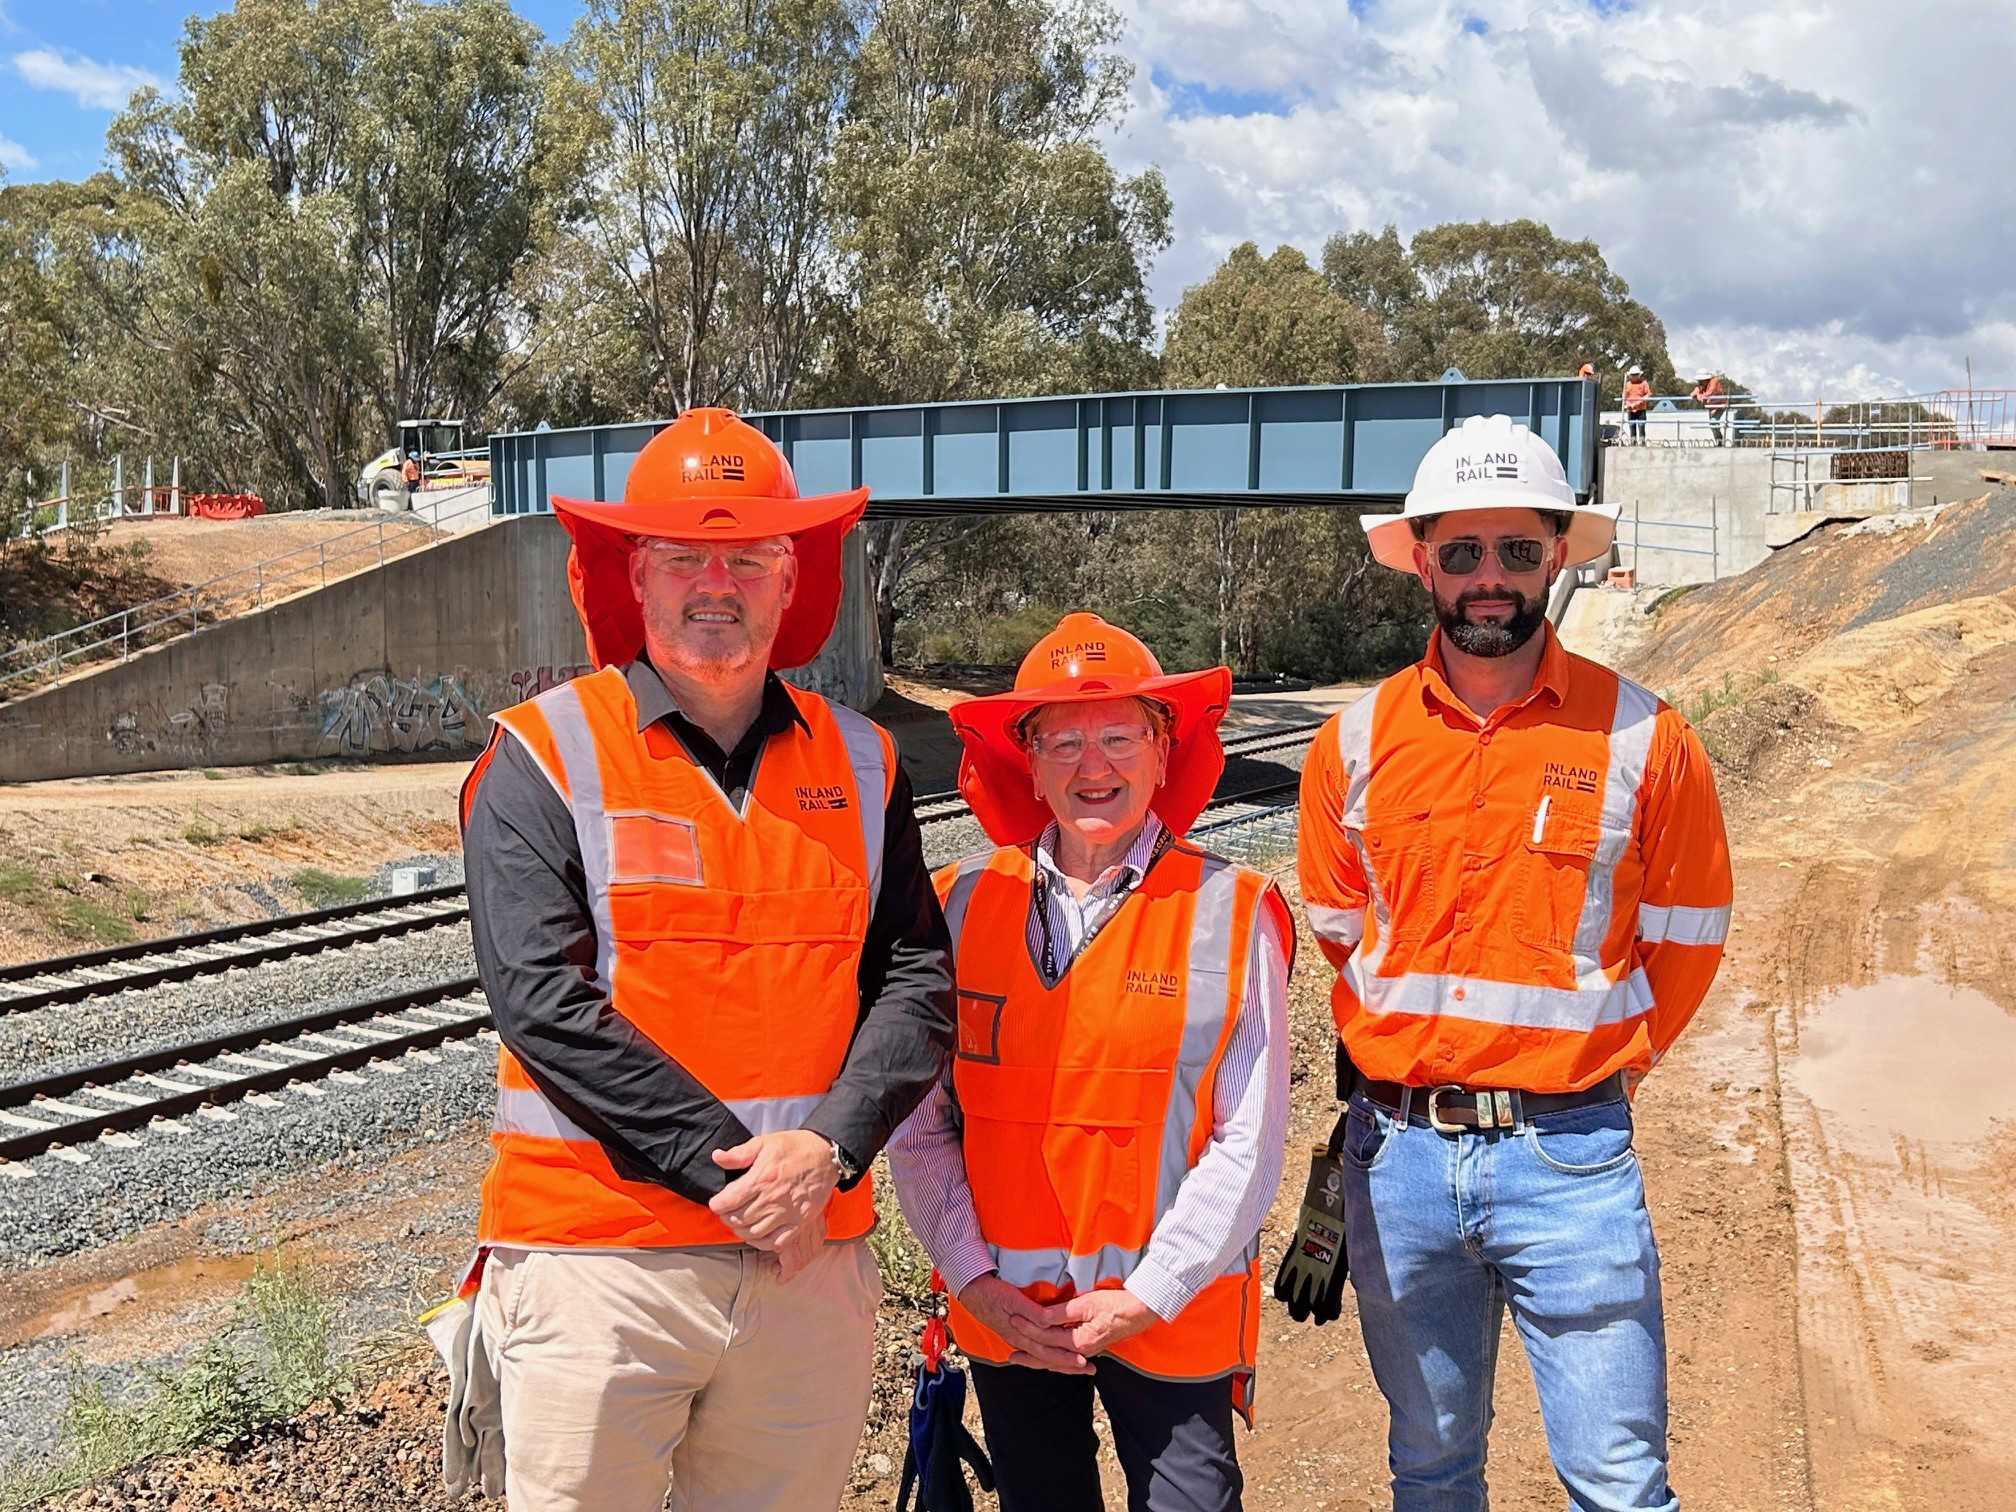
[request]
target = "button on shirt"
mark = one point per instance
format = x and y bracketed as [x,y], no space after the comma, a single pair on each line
[1221,1203]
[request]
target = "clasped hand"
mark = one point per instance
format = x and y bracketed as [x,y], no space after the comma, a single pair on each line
[1064,1336]
[778,1203]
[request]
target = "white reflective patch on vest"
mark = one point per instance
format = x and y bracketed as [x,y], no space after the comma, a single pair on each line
[869,760]
[1340,926]
[1680,925]
[1511,1004]
[526,1110]
[771,1115]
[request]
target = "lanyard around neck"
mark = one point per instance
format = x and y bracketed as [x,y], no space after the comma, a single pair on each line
[1040,902]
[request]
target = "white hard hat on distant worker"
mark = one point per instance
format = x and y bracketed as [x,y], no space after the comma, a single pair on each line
[1490,462]
[1635,372]
[1703,376]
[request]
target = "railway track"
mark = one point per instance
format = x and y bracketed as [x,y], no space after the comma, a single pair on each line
[152,1092]
[122,968]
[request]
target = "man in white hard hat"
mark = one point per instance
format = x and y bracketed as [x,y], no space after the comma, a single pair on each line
[1515,859]
[1637,399]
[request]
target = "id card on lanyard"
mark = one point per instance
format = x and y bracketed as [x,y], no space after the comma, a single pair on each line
[1041,904]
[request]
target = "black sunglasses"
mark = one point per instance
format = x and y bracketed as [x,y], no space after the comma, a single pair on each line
[1518,554]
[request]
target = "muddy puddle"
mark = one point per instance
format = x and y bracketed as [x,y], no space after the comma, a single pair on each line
[85,1308]
[1911,1059]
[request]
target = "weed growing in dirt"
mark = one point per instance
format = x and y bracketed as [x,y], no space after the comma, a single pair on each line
[259,829]
[211,774]
[1671,597]
[82,917]
[1726,696]
[279,1355]
[18,884]
[302,769]
[321,889]
[906,1269]
[201,831]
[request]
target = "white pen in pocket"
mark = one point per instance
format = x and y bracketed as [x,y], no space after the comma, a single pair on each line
[1540,817]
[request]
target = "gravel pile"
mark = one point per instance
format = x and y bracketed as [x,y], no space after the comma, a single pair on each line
[43,1041]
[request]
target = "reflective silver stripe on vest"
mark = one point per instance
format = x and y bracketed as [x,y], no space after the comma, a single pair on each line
[960,895]
[1058,1268]
[1354,754]
[767,1115]
[865,754]
[1681,925]
[527,1110]
[568,721]
[1631,728]
[1512,1004]
[1205,1010]
[1340,926]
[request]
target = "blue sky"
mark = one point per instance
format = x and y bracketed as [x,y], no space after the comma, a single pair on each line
[1817,196]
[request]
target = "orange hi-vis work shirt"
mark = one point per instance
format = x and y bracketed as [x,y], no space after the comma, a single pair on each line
[1085,1104]
[1531,901]
[733,941]
[1637,394]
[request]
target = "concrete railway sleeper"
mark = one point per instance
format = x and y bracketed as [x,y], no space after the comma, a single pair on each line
[111,1101]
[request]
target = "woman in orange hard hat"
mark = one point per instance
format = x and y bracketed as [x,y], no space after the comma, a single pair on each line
[1091,1174]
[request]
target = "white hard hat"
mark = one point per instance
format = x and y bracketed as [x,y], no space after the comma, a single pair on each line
[1635,372]
[1703,376]
[1490,462]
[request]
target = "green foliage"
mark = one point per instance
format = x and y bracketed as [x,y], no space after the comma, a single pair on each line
[321,889]
[83,919]
[279,1355]
[201,831]
[1270,321]
[906,1268]
[1499,300]
[18,884]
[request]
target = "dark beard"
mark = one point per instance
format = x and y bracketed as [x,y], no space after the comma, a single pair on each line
[1490,640]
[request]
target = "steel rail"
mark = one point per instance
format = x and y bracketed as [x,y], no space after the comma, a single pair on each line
[105,1080]
[27,1103]
[145,963]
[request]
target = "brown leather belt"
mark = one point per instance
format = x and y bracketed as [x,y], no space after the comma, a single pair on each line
[1452,1109]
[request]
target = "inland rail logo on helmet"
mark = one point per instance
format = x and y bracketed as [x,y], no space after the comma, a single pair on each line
[1077,652]
[1499,466]
[825,796]
[721,467]
[1153,983]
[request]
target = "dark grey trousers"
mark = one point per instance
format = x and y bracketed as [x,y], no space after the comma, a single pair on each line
[1174,1439]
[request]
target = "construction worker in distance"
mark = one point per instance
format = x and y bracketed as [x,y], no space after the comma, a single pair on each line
[1091,1175]
[1637,398]
[1587,370]
[1515,859]
[410,475]
[1708,393]
[721,977]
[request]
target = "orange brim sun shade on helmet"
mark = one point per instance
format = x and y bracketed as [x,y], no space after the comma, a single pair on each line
[707,476]
[1086,660]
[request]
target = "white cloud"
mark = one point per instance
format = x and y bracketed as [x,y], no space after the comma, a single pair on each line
[1809,195]
[104,86]
[14,157]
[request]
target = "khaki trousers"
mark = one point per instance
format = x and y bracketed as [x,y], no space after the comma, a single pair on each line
[622,1371]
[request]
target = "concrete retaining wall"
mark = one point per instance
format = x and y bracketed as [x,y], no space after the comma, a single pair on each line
[1671,495]
[406,659]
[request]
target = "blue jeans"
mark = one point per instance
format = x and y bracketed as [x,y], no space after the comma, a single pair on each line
[1443,1231]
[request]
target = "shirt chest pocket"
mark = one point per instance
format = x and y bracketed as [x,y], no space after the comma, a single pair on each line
[1553,867]
[1399,861]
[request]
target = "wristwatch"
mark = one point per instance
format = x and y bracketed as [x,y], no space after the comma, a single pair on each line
[843,1163]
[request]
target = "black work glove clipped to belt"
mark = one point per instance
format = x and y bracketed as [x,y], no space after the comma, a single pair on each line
[1311,1277]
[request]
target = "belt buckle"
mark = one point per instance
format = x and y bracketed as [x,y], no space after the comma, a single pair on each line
[1435,1120]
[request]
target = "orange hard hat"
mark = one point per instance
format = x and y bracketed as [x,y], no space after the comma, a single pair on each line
[709,474]
[1085,660]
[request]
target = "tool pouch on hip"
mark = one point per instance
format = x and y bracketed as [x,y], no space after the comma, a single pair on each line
[1311,1277]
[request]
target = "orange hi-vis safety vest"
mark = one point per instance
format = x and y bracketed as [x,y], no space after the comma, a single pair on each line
[1086,1104]
[732,941]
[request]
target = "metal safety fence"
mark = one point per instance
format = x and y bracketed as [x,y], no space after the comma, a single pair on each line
[1961,419]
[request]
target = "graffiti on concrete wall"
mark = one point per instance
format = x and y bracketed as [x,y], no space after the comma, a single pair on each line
[530,683]
[379,714]
[187,732]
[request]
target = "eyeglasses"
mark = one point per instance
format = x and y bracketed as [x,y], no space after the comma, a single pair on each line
[1518,554]
[1117,743]
[745,561]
